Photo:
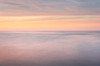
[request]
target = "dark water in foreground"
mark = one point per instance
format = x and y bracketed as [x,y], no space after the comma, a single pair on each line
[50,49]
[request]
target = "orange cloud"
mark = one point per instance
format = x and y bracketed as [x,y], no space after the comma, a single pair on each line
[50,23]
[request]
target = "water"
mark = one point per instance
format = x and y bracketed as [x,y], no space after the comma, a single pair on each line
[50,48]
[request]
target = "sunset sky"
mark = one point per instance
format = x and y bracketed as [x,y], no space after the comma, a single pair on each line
[34,15]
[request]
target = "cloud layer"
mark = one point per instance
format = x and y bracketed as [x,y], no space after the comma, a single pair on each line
[49,7]
[50,49]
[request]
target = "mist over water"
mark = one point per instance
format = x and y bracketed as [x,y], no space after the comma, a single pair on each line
[59,48]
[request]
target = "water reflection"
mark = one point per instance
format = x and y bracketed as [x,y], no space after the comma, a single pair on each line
[50,49]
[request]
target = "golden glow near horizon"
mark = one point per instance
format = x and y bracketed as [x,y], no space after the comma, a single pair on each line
[31,23]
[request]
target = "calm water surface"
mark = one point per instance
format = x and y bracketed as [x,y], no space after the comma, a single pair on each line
[50,48]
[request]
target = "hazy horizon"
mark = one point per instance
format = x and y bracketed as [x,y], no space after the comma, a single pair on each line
[49,32]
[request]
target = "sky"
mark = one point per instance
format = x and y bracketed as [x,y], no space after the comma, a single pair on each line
[66,15]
